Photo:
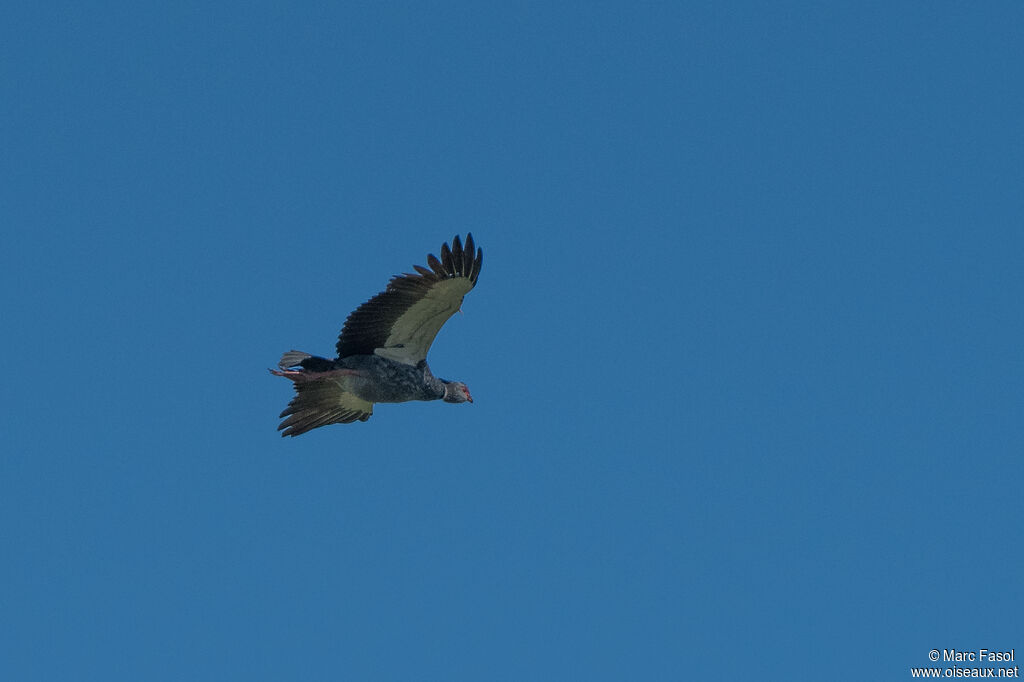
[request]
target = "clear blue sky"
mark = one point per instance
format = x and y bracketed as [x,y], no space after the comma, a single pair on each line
[746,347]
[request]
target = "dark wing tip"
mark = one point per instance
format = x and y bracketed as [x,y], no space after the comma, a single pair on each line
[456,260]
[467,254]
[474,273]
[447,260]
[463,262]
[435,265]
[457,256]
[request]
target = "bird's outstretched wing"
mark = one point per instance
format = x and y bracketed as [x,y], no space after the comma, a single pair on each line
[320,399]
[401,322]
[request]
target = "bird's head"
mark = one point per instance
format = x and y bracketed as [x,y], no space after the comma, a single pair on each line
[456,392]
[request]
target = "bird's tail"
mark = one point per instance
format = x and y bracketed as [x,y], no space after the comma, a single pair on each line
[299,366]
[294,358]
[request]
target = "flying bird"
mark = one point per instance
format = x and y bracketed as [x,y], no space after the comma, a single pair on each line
[382,348]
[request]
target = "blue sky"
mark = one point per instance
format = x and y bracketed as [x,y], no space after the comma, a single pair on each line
[745,350]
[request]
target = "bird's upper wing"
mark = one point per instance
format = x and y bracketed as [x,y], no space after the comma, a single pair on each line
[320,402]
[401,322]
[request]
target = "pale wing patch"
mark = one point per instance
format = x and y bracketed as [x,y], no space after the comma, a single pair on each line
[350,402]
[414,332]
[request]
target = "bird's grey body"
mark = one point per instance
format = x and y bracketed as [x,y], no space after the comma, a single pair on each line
[379,380]
[383,346]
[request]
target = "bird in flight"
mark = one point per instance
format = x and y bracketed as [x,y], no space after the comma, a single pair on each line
[382,348]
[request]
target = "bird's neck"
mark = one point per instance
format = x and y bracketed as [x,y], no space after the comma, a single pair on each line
[439,387]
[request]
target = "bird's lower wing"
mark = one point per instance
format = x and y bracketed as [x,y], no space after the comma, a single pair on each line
[321,401]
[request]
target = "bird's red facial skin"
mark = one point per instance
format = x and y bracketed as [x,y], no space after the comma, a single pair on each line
[468,396]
